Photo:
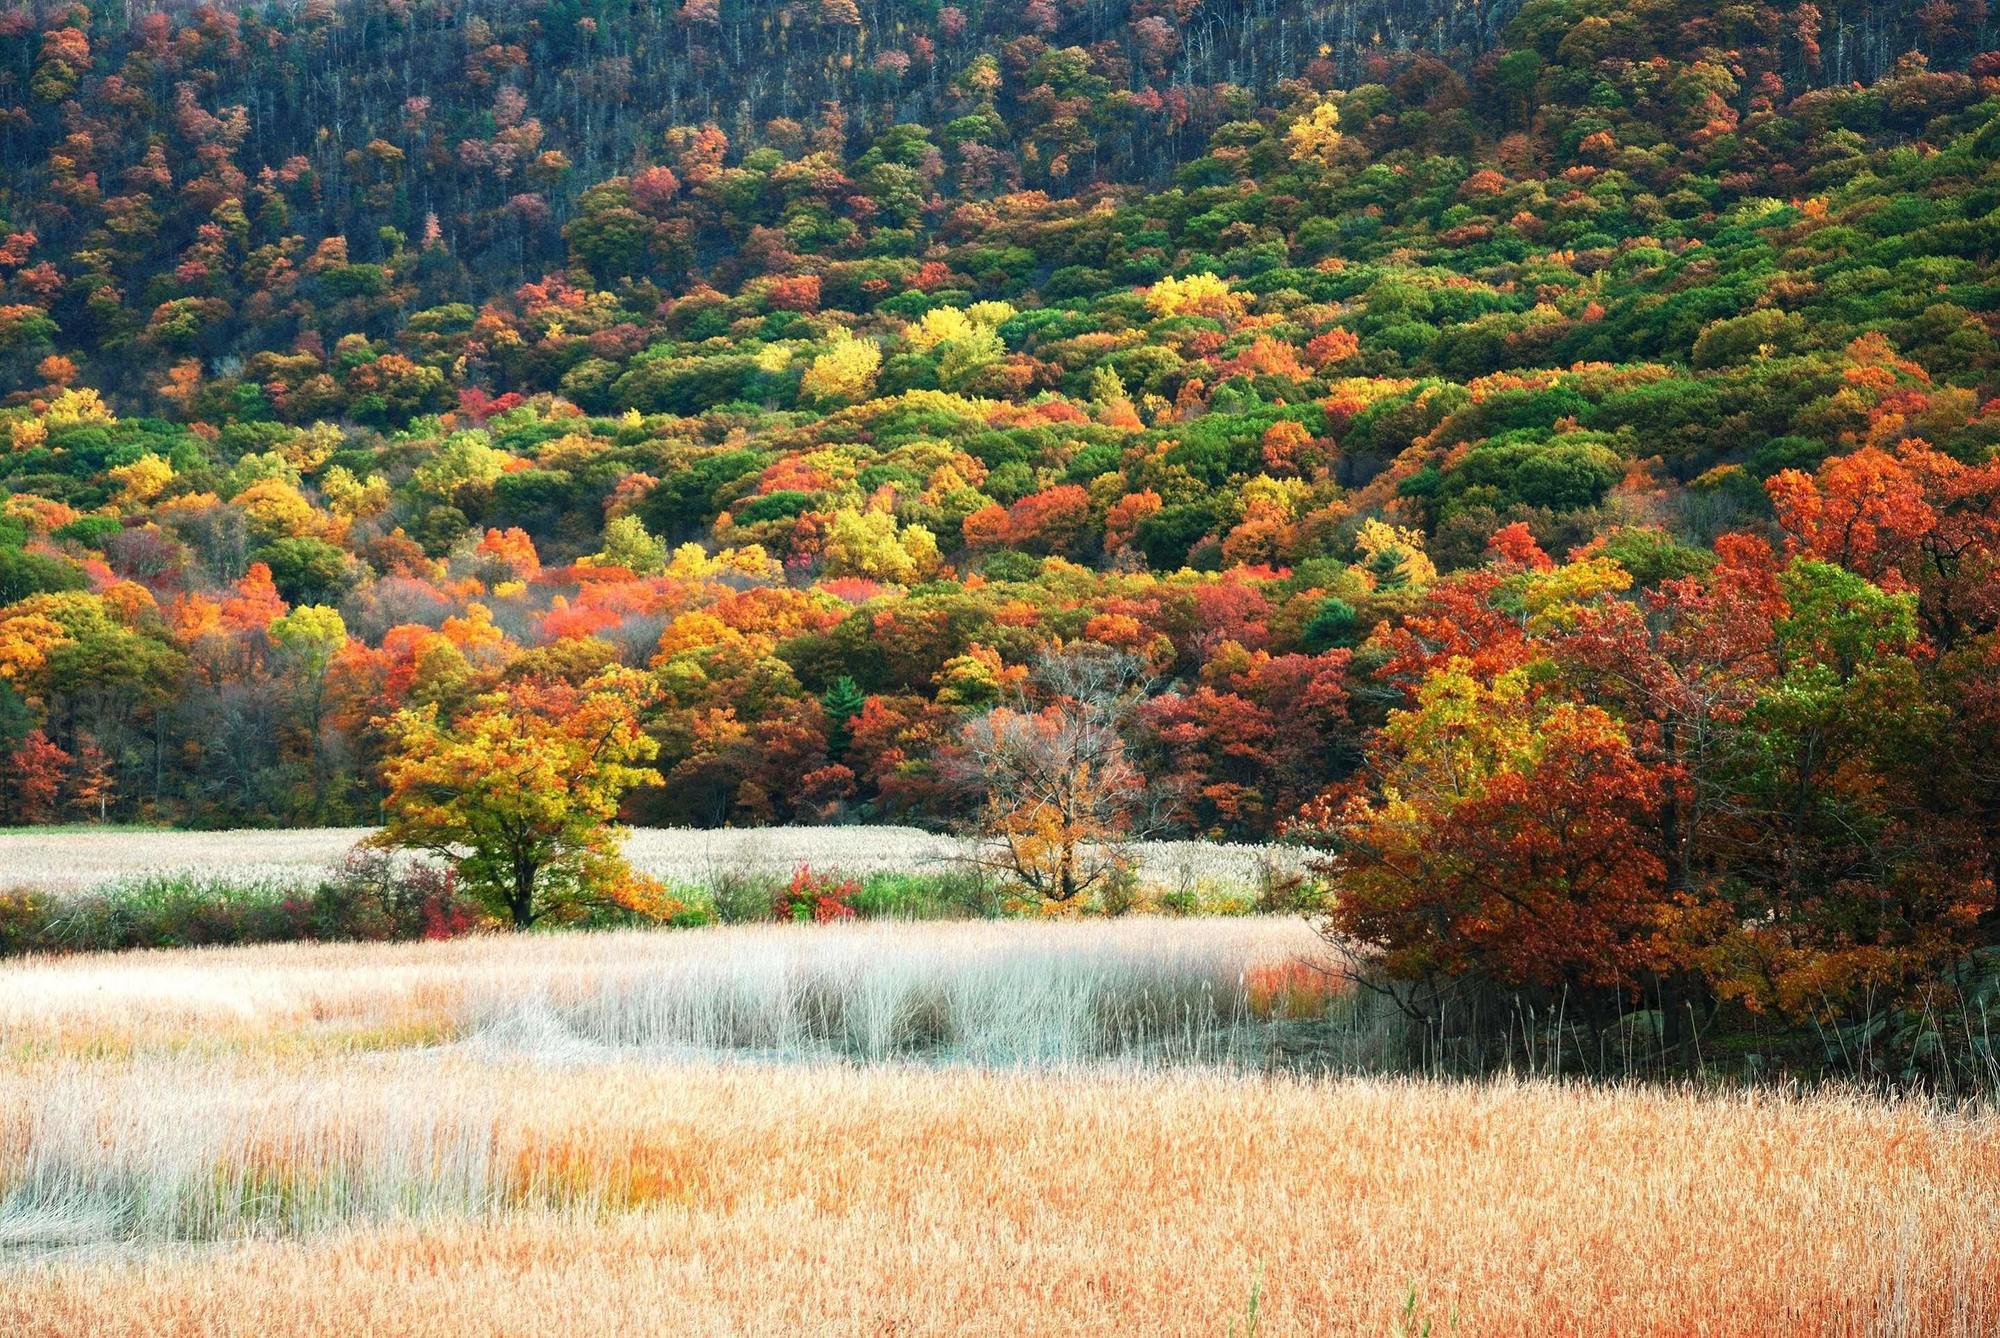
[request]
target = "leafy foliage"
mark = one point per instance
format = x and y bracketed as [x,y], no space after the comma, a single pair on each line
[521,791]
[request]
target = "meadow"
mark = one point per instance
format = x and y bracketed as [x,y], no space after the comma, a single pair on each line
[75,859]
[880,1127]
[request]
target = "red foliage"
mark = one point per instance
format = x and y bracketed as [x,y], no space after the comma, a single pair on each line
[798,293]
[816,897]
[33,780]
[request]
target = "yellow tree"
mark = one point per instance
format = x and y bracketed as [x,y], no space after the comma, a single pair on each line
[521,792]
[307,639]
[1314,136]
[845,373]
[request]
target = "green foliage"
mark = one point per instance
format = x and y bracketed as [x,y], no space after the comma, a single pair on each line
[23,574]
[1334,623]
[1530,468]
[307,570]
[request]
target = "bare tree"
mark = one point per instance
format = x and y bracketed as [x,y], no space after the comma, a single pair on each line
[1060,802]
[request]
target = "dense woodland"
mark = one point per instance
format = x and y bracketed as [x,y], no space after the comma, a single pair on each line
[1545,453]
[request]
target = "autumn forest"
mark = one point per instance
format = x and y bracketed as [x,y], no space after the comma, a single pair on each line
[1540,459]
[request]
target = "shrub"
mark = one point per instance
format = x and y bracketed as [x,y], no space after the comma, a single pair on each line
[1183,898]
[372,894]
[1283,890]
[951,894]
[1120,893]
[816,898]
[24,919]
[368,896]
[741,896]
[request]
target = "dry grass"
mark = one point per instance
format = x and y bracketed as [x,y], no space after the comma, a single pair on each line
[1009,991]
[452,1197]
[515,1135]
[79,859]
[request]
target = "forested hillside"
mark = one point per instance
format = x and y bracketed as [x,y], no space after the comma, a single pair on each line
[188,187]
[1545,446]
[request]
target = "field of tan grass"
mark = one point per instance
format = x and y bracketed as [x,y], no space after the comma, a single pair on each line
[75,859]
[535,1135]
[618,1198]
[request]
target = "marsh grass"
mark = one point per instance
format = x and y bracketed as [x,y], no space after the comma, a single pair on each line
[990,1127]
[993,992]
[446,1192]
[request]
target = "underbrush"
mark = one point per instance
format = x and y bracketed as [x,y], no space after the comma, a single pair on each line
[372,896]
[368,897]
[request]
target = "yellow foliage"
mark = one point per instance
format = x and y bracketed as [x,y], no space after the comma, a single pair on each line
[1313,137]
[465,459]
[129,603]
[692,562]
[570,451]
[475,634]
[1394,556]
[991,314]
[695,630]
[948,325]
[312,632]
[940,325]
[141,481]
[275,509]
[26,638]
[1554,598]
[311,448]
[1282,497]
[1196,295]
[1458,735]
[973,408]
[351,498]
[80,404]
[870,544]
[845,372]
[750,560]
[40,514]
[627,544]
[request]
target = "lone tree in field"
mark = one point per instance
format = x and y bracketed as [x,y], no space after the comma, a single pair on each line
[521,792]
[1060,802]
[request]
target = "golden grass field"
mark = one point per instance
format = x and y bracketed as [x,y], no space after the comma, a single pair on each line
[515,1136]
[75,859]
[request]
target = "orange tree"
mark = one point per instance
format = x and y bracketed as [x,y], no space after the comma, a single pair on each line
[1060,801]
[521,791]
[1509,843]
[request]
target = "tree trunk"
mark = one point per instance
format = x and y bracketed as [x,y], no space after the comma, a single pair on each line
[522,900]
